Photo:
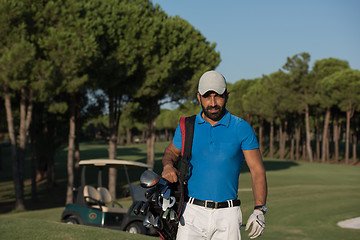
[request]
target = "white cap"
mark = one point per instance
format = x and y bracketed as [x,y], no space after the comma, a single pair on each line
[212,81]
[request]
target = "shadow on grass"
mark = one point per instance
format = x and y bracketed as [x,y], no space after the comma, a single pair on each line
[54,196]
[47,197]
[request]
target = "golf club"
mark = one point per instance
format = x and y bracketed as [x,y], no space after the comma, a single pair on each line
[149,179]
[137,207]
[166,213]
[150,192]
[155,197]
[147,222]
[145,208]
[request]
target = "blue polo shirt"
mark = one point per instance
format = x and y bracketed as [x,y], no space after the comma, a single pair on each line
[216,156]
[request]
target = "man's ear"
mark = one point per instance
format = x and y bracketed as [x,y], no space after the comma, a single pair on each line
[198,97]
[226,95]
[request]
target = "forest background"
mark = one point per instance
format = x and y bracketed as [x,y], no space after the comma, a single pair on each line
[74,71]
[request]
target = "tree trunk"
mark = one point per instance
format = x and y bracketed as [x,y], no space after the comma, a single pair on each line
[25,120]
[304,150]
[261,130]
[327,146]
[317,143]
[114,117]
[19,195]
[33,167]
[282,144]
[349,115]
[325,136]
[121,139]
[150,138]
[297,146]
[70,156]
[167,134]
[22,141]
[143,135]
[354,148]
[337,131]
[285,138]
[281,151]
[308,137]
[77,161]
[128,136]
[171,134]
[249,118]
[1,159]
[77,141]
[157,136]
[150,142]
[112,178]
[292,148]
[271,153]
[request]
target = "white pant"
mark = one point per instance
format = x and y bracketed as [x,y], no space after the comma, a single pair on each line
[200,223]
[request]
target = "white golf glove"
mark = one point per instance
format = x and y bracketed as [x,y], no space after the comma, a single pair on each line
[257,219]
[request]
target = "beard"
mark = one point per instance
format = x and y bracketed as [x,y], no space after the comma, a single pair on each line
[214,116]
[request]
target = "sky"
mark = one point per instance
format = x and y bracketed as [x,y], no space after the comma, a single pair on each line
[255,37]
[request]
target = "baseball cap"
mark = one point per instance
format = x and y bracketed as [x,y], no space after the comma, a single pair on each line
[212,81]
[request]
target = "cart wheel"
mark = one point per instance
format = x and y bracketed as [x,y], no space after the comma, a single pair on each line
[71,220]
[136,228]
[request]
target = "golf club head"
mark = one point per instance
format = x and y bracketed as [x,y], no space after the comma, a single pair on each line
[176,219]
[166,213]
[149,179]
[168,203]
[149,193]
[152,220]
[155,197]
[158,223]
[138,207]
[172,215]
[148,219]
[167,193]
[145,208]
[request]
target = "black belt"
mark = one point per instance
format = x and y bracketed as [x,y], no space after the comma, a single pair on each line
[212,204]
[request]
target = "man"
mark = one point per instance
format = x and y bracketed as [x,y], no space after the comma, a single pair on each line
[220,144]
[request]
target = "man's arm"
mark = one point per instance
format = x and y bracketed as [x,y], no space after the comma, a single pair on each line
[171,154]
[258,176]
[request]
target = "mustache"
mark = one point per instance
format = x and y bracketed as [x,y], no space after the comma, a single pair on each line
[216,107]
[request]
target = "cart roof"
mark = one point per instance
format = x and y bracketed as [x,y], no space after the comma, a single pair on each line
[113,163]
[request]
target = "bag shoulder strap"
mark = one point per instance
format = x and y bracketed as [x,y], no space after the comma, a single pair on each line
[187,125]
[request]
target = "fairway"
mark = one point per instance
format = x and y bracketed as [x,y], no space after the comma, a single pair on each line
[305,201]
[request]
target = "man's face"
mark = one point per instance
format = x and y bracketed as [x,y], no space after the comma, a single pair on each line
[213,105]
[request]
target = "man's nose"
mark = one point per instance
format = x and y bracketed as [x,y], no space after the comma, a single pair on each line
[212,101]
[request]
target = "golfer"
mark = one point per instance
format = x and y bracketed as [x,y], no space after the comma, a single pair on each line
[220,144]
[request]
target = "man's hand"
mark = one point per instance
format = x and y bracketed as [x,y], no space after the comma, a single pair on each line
[170,173]
[257,219]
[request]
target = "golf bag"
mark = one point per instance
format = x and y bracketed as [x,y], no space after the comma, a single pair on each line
[164,204]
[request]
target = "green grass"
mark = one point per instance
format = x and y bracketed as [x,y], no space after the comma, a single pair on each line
[305,201]
[33,226]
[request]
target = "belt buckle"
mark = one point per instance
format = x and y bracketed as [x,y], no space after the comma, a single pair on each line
[208,201]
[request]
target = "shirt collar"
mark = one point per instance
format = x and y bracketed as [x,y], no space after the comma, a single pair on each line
[225,120]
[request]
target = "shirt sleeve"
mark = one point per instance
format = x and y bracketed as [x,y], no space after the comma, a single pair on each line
[249,140]
[177,138]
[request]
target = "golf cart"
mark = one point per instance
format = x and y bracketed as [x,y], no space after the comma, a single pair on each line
[95,206]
